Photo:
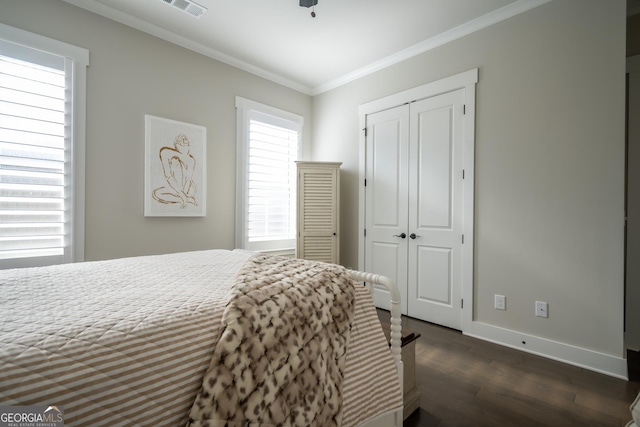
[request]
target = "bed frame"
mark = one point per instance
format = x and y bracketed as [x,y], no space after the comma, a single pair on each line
[394,419]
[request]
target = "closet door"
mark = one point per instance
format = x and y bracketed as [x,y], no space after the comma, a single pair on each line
[414,205]
[417,204]
[386,192]
[435,209]
[318,211]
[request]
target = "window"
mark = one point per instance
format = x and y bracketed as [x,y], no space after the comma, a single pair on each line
[268,146]
[42,92]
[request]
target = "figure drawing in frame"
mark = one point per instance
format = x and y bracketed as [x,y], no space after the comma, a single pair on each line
[174,168]
[178,165]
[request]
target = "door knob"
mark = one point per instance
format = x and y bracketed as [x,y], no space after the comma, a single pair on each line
[413,235]
[401,235]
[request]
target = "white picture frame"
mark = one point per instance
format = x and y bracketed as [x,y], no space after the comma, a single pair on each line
[175,168]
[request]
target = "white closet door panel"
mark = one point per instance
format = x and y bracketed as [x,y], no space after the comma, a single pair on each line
[389,260]
[434,169]
[434,275]
[388,167]
[386,192]
[435,209]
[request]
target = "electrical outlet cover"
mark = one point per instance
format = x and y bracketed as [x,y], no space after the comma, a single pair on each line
[542,309]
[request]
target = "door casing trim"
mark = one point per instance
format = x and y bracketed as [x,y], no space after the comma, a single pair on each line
[466,80]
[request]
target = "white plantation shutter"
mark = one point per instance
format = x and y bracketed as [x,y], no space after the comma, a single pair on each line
[36,168]
[268,148]
[273,151]
[32,159]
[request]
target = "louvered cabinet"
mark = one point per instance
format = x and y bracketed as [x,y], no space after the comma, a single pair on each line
[318,213]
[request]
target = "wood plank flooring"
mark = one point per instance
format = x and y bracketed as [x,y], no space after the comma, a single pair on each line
[469,382]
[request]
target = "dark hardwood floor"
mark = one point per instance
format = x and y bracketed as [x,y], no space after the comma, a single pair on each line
[469,382]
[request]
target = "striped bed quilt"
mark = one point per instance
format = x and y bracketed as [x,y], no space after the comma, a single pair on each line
[127,342]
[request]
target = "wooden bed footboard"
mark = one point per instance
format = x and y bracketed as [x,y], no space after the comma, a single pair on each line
[371,279]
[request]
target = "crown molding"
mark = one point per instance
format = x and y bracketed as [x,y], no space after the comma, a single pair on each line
[154,30]
[455,33]
[506,12]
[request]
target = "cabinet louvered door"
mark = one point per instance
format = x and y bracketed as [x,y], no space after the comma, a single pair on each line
[318,211]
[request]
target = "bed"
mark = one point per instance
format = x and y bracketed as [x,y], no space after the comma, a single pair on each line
[201,338]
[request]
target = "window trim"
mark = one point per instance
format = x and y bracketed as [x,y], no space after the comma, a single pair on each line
[244,107]
[78,59]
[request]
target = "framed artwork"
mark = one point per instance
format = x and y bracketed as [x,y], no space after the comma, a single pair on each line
[175,168]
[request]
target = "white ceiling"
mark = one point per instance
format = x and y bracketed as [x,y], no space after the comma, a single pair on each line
[279,40]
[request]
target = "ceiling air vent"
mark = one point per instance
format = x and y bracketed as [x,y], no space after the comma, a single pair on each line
[188,6]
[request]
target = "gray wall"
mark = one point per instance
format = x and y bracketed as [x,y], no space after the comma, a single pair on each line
[132,74]
[549,165]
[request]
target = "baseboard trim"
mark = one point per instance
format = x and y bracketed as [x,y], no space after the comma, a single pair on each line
[577,356]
